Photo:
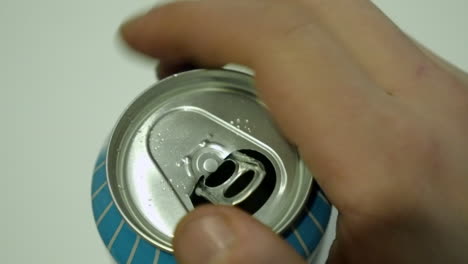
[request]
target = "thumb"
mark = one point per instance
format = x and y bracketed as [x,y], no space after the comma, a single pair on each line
[227,235]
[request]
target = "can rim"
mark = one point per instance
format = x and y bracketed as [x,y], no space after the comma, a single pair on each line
[294,211]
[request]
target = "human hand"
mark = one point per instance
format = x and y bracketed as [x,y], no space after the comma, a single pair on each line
[380,124]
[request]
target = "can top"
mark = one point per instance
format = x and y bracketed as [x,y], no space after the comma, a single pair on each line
[196,137]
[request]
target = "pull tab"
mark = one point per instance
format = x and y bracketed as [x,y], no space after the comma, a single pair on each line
[233,189]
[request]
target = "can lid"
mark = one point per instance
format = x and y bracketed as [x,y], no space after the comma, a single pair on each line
[196,137]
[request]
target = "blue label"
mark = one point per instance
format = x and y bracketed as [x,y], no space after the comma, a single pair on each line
[126,246]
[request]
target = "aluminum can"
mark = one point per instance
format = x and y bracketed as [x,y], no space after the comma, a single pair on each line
[197,137]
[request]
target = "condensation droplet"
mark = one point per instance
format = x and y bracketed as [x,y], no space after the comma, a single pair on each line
[170,180]
[178,164]
[246,120]
[159,134]
[203,143]
[231,122]
[238,120]
[238,126]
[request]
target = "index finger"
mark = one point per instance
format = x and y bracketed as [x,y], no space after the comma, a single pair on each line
[318,94]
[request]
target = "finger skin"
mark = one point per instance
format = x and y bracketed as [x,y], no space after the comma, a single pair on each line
[308,81]
[254,243]
[390,58]
[374,41]
[387,142]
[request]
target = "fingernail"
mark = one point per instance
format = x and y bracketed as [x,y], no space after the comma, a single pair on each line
[203,240]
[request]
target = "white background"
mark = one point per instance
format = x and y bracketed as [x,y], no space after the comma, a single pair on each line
[64,80]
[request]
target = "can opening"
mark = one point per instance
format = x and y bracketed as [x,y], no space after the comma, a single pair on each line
[257,199]
[221,175]
[239,184]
